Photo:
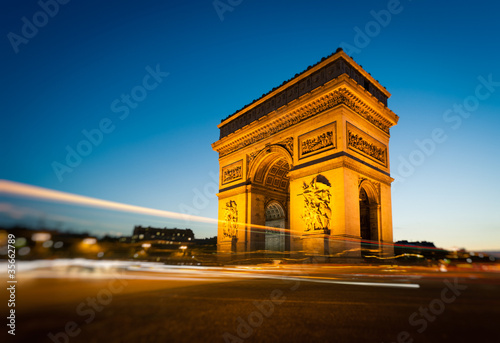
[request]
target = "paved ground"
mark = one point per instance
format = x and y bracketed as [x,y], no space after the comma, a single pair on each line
[258,304]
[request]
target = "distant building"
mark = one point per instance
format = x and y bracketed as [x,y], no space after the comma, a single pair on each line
[423,244]
[156,234]
[424,248]
[206,241]
[50,243]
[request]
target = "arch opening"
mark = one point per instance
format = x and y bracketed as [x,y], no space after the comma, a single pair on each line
[270,180]
[368,218]
[275,218]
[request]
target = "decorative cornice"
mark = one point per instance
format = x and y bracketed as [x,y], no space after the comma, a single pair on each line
[343,162]
[340,96]
[387,180]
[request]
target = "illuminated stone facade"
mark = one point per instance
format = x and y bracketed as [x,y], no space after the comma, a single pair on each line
[306,167]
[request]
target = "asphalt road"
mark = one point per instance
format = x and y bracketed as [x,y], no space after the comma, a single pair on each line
[259,305]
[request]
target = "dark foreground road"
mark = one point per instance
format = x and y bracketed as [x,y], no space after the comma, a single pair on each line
[259,306]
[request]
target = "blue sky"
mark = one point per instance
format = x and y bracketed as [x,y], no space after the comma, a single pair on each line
[65,77]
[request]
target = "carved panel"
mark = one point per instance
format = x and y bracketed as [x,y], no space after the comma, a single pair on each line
[319,140]
[232,172]
[317,211]
[366,145]
[230,220]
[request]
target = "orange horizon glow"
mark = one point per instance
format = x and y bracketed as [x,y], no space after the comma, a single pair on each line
[35,192]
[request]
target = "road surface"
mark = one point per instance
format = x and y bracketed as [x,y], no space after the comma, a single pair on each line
[256,304]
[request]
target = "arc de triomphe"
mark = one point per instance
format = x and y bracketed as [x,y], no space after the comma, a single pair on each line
[306,166]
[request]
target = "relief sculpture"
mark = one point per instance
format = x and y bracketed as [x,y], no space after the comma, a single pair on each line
[319,142]
[231,220]
[359,143]
[232,172]
[317,211]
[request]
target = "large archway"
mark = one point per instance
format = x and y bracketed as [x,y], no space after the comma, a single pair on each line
[368,219]
[269,177]
[270,168]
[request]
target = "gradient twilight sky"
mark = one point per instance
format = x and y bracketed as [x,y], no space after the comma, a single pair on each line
[66,76]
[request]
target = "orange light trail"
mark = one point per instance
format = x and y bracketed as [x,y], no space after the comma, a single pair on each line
[29,191]
[34,192]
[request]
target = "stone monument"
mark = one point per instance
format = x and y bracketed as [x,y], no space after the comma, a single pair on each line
[305,168]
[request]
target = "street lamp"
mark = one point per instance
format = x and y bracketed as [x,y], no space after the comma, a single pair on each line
[40,237]
[89,240]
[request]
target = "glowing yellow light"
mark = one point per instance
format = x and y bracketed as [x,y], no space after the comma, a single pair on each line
[40,237]
[183,247]
[89,241]
[146,245]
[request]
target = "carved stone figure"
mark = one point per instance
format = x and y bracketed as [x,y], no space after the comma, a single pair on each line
[317,212]
[231,220]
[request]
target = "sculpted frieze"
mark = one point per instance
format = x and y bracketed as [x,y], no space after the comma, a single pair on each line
[319,140]
[365,144]
[232,172]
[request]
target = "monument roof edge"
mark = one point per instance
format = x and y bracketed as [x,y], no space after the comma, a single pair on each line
[311,69]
